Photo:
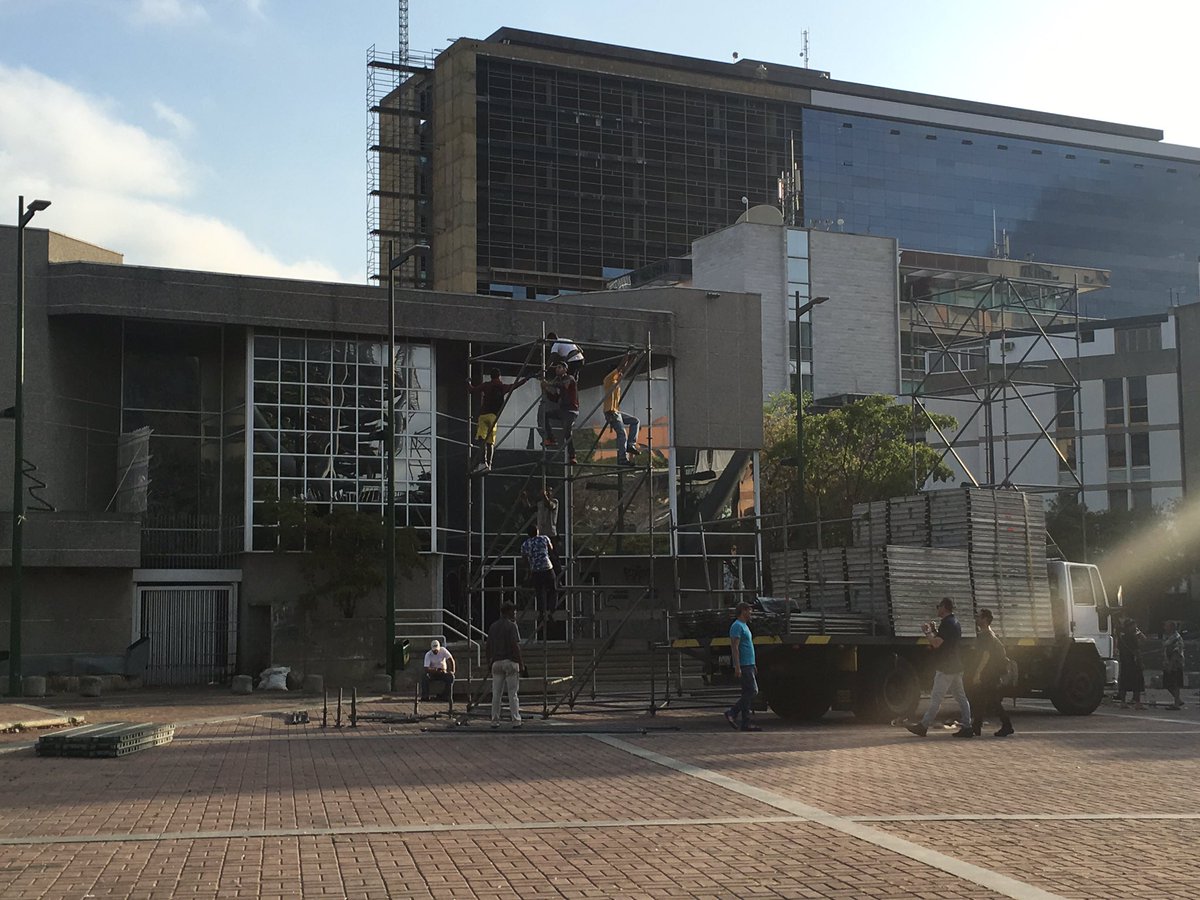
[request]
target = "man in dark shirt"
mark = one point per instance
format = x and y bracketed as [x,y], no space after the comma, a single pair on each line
[990,670]
[504,659]
[495,394]
[948,674]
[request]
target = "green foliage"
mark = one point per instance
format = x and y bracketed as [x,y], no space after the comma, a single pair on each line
[852,454]
[1148,552]
[344,558]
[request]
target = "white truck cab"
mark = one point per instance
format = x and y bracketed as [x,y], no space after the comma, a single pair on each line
[1081,609]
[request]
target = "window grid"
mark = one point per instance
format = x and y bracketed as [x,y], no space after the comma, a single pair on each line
[318,419]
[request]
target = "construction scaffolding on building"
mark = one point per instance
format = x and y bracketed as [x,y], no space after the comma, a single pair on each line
[617,535]
[397,126]
[996,343]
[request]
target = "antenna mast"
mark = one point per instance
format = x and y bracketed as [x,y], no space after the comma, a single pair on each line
[403,55]
[804,47]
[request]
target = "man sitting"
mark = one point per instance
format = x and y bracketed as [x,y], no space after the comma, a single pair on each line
[439,666]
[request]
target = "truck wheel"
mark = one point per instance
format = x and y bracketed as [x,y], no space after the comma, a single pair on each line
[886,689]
[1080,687]
[798,689]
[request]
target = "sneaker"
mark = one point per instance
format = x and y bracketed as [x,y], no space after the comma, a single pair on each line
[626,462]
[965,733]
[918,729]
[571,460]
[750,728]
[732,721]
[517,725]
[495,724]
[482,467]
[977,730]
[1005,731]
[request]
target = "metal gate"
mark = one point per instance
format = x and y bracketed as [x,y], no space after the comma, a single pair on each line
[192,630]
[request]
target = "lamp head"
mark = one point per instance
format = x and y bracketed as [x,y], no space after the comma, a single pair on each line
[37,205]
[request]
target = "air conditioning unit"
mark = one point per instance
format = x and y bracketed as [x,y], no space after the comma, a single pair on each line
[1008,346]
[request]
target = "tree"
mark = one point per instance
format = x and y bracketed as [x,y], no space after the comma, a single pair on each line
[344,558]
[1150,553]
[855,453]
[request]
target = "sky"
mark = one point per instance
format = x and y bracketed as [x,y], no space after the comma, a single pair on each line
[230,135]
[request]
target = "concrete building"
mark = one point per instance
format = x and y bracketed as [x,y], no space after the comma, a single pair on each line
[167,410]
[536,164]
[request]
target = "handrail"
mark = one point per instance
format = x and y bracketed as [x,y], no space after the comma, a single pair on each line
[435,628]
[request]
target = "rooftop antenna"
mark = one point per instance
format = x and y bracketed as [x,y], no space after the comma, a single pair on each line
[804,47]
[402,55]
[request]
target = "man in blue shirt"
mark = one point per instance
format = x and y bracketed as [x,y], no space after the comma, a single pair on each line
[948,671]
[741,646]
[537,549]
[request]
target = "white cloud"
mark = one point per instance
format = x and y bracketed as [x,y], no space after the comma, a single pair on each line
[181,124]
[114,185]
[169,12]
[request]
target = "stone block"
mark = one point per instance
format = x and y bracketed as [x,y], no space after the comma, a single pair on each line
[242,684]
[381,683]
[90,685]
[314,684]
[33,686]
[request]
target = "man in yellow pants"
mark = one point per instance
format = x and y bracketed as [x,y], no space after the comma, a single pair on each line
[495,394]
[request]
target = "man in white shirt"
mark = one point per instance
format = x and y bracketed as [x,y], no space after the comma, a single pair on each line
[568,351]
[439,666]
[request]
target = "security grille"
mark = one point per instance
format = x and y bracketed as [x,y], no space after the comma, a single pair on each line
[192,631]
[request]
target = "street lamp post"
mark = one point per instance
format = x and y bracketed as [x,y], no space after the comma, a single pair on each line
[801,309]
[24,214]
[389,443]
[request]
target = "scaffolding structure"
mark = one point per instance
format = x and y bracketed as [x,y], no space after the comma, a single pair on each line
[397,127]
[995,344]
[587,535]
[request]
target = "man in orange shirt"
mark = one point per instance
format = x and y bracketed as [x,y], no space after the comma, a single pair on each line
[624,426]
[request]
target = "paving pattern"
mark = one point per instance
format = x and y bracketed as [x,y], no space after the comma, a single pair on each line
[1103,806]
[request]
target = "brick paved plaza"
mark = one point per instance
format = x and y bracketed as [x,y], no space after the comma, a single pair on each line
[590,806]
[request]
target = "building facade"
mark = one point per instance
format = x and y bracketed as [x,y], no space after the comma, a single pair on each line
[169,413]
[537,164]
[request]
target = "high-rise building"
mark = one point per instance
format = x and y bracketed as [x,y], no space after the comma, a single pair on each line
[537,164]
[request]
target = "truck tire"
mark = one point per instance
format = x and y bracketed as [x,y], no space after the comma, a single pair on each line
[886,689]
[1080,687]
[798,688]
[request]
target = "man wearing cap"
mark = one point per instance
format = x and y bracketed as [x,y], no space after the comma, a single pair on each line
[566,350]
[439,666]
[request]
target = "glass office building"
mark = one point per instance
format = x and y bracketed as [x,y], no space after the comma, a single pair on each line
[555,161]
[938,188]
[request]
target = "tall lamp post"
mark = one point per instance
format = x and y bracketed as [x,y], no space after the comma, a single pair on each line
[801,309]
[389,443]
[24,214]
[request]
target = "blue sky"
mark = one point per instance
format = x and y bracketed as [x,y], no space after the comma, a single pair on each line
[230,135]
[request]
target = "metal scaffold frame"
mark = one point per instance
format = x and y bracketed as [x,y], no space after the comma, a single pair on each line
[1004,312]
[495,549]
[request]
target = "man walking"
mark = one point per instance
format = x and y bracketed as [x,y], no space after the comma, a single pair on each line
[741,647]
[624,426]
[988,679]
[504,659]
[948,671]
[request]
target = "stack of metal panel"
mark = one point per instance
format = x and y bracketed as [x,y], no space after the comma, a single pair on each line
[827,580]
[831,623]
[866,570]
[917,578]
[1004,533]
[789,575]
[908,521]
[106,739]
[869,524]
